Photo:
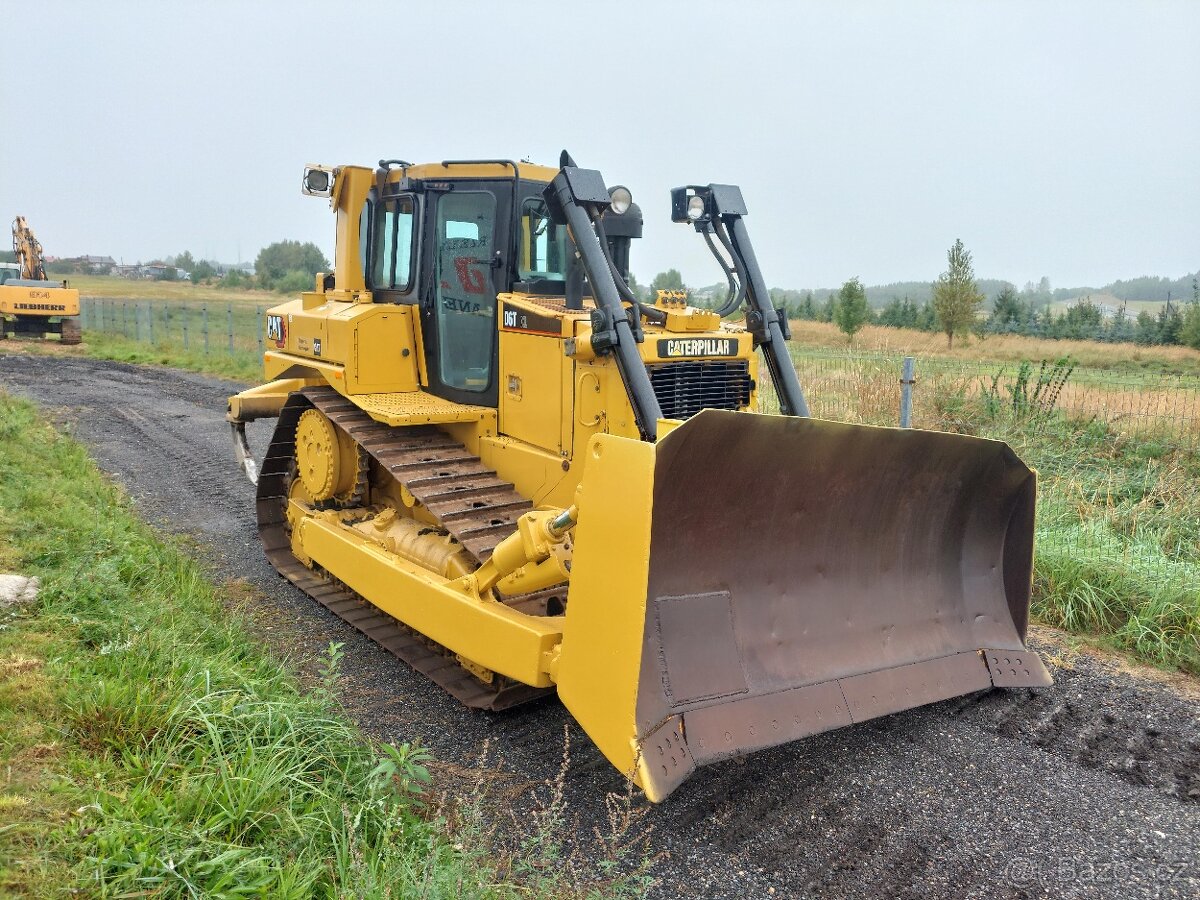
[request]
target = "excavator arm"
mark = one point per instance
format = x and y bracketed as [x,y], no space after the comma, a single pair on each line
[28,251]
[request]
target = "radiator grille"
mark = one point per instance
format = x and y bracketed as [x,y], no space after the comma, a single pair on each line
[685,388]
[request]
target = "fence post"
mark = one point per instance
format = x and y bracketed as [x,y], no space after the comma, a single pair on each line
[906,383]
[124,319]
[150,307]
[229,325]
[204,325]
[186,316]
[259,318]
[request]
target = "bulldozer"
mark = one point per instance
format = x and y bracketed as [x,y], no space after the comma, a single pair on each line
[30,303]
[498,461]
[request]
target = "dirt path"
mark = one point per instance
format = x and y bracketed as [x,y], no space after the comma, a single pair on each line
[1090,789]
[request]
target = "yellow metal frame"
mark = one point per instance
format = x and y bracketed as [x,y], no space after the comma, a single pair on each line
[51,300]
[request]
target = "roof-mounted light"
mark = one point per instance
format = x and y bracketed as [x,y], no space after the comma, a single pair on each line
[318,181]
[620,199]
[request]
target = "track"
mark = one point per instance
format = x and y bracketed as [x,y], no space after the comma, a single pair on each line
[1090,789]
[478,508]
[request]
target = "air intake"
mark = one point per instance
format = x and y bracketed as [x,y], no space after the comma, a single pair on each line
[685,388]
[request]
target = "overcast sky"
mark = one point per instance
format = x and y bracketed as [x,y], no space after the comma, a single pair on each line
[1055,139]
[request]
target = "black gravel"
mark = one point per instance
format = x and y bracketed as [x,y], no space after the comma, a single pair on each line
[1088,789]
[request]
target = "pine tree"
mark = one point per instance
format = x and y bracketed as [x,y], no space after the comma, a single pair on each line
[956,297]
[851,311]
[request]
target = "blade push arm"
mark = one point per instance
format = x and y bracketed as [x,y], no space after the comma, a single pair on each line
[718,209]
[577,197]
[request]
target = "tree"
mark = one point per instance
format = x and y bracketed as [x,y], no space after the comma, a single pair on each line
[851,311]
[1008,312]
[184,261]
[638,290]
[204,270]
[1147,328]
[276,260]
[956,297]
[669,280]
[808,309]
[1170,324]
[1189,332]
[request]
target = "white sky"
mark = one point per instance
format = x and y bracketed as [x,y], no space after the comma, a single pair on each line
[1057,139]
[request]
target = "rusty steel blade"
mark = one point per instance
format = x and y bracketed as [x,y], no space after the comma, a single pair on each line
[804,575]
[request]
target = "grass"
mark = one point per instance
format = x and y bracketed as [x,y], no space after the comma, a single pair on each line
[146,289]
[1118,542]
[1000,348]
[243,365]
[150,747]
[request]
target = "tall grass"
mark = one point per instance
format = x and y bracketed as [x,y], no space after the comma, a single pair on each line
[1118,538]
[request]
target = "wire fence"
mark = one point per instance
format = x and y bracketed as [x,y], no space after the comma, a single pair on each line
[233,330]
[951,394]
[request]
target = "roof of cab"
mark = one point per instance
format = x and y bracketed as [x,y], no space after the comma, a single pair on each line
[492,170]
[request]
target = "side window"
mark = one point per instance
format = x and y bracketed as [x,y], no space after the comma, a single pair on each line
[364,234]
[544,249]
[394,246]
[465,297]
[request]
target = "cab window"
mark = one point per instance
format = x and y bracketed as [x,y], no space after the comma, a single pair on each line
[544,245]
[393,246]
[464,295]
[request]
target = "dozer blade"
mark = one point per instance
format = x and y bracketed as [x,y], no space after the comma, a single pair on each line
[751,580]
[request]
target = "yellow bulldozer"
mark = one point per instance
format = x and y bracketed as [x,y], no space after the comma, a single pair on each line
[496,460]
[31,304]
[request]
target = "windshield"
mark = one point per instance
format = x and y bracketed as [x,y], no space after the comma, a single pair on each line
[544,245]
[7,274]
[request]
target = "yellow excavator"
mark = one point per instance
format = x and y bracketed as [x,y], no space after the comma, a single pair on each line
[496,460]
[31,304]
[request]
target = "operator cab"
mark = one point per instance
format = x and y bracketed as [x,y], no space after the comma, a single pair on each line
[448,238]
[9,272]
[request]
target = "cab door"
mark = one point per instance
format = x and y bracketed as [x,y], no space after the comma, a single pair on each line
[459,306]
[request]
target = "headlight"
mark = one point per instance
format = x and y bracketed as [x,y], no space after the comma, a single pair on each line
[620,199]
[695,208]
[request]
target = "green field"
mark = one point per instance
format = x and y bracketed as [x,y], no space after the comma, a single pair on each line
[145,289]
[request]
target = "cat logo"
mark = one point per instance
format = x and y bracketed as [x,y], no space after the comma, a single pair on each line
[276,331]
[674,347]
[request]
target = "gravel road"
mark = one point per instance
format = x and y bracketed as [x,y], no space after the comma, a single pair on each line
[1088,789]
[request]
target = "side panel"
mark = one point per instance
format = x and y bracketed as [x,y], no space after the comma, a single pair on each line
[531,388]
[51,300]
[372,346]
[384,358]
